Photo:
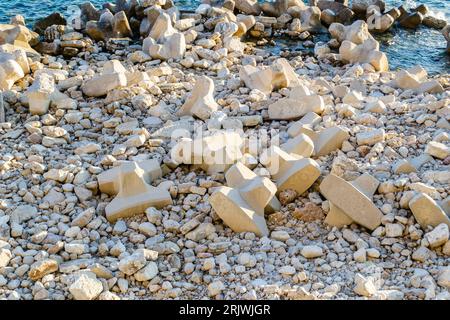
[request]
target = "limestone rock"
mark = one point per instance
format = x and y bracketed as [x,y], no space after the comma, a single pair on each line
[311,251]
[13,67]
[5,257]
[357,32]
[437,150]
[367,52]
[164,41]
[132,263]
[86,287]
[201,103]
[112,77]
[41,268]
[147,273]
[438,236]
[279,75]
[410,165]
[415,78]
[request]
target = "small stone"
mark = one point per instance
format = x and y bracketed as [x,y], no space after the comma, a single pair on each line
[86,288]
[311,251]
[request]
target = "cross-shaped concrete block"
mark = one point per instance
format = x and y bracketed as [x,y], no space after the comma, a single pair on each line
[134,193]
[290,171]
[213,154]
[239,174]
[351,200]
[325,141]
[201,103]
[365,184]
[242,207]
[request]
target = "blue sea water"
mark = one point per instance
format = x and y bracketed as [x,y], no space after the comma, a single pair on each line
[404,48]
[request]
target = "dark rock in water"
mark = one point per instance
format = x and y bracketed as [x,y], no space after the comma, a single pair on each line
[423,9]
[89,12]
[433,22]
[42,24]
[360,6]
[394,13]
[446,33]
[109,26]
[411,21]
[342,13]
[275,9]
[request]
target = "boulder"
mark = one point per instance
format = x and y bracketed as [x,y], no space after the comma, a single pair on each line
[42,93]
[288,108]
[55,18]
[86,287]
[336,12]
[201,102]
[415,78]
[112,77]
[278,75]
[164,41]
[357,33]
[18,35]
[405,166]
[13,67]
[367,52]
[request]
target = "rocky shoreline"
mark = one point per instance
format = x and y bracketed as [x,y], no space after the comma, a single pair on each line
[148,153]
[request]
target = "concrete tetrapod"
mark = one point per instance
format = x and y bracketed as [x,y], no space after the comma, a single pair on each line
[290,171]
[365,184]
[242,207]
[353,202]
[134,193]
[428,212]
